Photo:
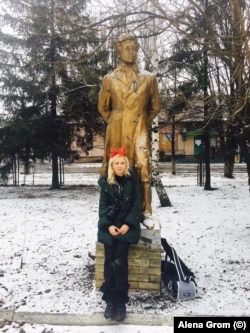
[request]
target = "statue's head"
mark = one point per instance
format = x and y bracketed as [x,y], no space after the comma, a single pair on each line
[124,38]
[127,47]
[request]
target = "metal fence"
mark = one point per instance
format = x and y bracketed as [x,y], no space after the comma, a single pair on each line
[40,173]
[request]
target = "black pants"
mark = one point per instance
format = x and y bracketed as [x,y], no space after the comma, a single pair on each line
[116,283]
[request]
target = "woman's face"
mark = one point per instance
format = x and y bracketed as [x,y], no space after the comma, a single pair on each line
[119,165]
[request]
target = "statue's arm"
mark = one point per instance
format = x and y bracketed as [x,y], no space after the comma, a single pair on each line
[104,101]
[155,102]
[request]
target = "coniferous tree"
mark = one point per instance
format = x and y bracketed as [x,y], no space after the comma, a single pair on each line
[49,76]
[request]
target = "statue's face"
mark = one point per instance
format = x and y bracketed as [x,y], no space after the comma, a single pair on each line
[128,52]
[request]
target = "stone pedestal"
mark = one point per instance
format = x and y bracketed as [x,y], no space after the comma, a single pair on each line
[144,261]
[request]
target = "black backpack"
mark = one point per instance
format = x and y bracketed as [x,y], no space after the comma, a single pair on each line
[177,277]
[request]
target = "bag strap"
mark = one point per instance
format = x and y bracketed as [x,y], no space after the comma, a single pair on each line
[169,253]
[178,265]
[167,248]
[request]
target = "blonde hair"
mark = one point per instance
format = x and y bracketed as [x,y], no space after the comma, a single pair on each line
[111,174]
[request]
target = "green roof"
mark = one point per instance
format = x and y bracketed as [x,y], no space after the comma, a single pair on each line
[200,132]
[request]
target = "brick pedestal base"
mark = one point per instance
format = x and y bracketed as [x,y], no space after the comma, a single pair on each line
[144,262]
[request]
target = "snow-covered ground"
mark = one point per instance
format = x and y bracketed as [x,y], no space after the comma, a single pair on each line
[47,236]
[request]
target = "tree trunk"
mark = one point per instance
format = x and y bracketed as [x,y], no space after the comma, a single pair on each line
[230,152]
[156,180]
[173,147]
[243,140]
[246,155]
[55,178]
[54,153]
[162,194]
[53,101]
[206,113]
[229,165]
[207,185]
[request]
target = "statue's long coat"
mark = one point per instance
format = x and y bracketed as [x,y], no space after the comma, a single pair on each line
[128,107]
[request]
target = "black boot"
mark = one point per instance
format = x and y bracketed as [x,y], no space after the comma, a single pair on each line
[109,298]
[121,298]
[110,310]
[120,313]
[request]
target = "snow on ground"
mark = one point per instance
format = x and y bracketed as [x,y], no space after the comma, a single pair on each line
[46,237]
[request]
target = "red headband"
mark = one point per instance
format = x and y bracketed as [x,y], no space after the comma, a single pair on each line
[117,151]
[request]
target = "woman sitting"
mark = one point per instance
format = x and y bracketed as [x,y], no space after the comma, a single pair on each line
[118,227]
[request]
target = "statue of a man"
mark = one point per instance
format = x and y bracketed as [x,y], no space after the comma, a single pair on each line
[128,102]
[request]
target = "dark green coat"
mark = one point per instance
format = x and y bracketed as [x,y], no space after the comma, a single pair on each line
[126,196]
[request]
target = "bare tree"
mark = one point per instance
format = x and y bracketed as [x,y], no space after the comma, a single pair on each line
[226,40]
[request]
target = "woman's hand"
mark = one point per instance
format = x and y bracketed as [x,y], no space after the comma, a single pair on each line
[113,230]
[124,229]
